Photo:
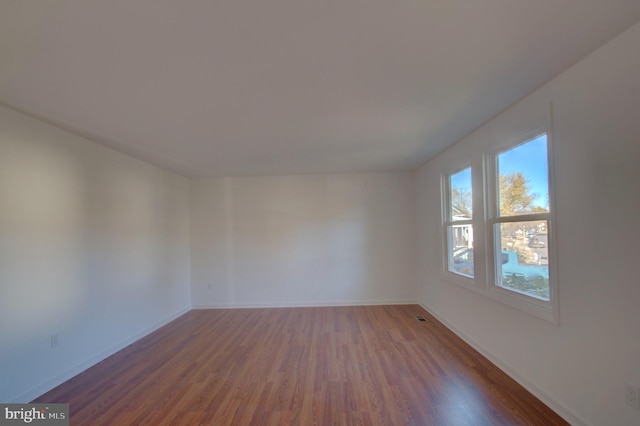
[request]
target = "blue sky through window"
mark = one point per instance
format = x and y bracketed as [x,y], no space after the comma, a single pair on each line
[461,199]
[462,179]
[531,160]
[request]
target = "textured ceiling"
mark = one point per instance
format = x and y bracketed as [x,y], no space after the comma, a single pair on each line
[230,88]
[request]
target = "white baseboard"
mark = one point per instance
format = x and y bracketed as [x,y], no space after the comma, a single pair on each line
[306,304]
[57,380]
[560,409]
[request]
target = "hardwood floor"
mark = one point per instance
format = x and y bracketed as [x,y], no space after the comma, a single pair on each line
[367,365]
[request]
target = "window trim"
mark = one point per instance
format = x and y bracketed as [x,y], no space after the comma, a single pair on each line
[543,309]
[484,181]
[457,278]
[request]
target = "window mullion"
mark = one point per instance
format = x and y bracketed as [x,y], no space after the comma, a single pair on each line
[521,218]
[460,222]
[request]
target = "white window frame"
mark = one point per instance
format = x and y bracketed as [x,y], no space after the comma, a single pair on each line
[484,181]
[547,310]
[455,277]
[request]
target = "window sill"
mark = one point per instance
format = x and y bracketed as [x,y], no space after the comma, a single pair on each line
[544,310]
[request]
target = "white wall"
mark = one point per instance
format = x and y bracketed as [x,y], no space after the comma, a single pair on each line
[579,367]
[303,240]
[93,246]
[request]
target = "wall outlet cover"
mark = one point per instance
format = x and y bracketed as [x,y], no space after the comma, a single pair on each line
[632,395]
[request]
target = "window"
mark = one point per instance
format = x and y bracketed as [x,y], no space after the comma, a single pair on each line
[459,226]
[520,221]
[510,257]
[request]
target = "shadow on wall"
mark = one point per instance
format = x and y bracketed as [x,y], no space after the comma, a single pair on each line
[93,248]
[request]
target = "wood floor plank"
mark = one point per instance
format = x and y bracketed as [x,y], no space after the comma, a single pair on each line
[367,365]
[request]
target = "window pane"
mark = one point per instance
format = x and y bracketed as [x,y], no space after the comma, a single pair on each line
[523,180]
[523,262]
[461,249]
[461,207]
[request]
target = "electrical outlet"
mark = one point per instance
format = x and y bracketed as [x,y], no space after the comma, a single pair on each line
[632,395]
[55,340]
